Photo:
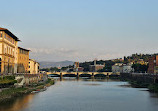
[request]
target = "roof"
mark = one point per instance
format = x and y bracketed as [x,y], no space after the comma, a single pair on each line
[23,49]
[9,33]
[34,61]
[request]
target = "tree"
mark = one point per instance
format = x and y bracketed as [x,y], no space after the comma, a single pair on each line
[140,68]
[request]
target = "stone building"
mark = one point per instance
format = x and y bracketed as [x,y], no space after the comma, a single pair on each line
[96,67]
[153,65]
[122,68]
[33,67]
[23,60]
[8,52]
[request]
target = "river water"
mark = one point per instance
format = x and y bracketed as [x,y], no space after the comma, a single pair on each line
[86,95]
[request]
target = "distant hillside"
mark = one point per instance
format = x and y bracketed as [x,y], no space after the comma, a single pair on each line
[55,64]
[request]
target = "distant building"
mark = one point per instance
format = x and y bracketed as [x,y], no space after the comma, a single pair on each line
[80,69]
[122,68]
[59,67]
[76,64]
[127,69]
[153,65]
[77,67]
[96,67]
[117,68]
[8,52]
[33,67]
[23,60]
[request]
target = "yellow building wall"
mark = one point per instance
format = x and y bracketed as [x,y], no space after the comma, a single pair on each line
[33,67]
[23,61]
[7,53]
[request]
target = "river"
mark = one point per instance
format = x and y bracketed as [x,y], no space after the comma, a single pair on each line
[86,95]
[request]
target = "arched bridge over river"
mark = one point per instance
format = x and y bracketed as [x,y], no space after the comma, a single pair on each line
[82,74]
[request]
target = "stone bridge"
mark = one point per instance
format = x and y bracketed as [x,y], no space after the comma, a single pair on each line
[79,74]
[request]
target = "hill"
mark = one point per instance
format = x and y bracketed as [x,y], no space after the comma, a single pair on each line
[46,64]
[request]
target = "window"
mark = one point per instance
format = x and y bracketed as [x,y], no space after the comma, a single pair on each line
[5,36]
[5,51]
[1,33]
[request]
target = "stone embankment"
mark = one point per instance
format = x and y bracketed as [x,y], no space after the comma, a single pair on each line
[139,80]
[7,94]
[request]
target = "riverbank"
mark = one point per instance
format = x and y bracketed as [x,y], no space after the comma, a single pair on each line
[137,84]
[151,87]
[11,93]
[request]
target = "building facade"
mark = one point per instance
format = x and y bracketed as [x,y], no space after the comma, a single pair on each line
[96,67]
[77,67]
[122,68]
[23,60]
[115,68]
[153,65]
[127,69]
[33,67]
[8,52]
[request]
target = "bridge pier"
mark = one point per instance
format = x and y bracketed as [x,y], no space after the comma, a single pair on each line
[92,76]
[61,76]
[78,75]
[107,75]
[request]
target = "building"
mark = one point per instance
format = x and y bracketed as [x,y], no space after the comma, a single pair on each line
[122,68]
[96,67]
[117,68]
[127,69]
[23,60]
[77,67]
[8,52]
[33,67]
[153,65]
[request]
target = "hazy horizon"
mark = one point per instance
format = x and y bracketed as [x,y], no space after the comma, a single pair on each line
[82,30]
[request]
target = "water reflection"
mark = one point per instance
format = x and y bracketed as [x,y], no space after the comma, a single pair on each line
[17,104]
[86,94]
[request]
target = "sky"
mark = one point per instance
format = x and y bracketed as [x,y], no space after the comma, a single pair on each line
[82,30]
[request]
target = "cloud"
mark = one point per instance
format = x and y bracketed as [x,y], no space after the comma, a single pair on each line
[51,50]
[54,53]
[60,54]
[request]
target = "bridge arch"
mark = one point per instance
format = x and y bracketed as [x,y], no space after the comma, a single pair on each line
[99,75]
[85,75]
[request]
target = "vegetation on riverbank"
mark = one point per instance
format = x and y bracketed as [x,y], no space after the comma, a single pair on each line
[153,88]
[7,94]
[136,84]
[7,81]
[10,93]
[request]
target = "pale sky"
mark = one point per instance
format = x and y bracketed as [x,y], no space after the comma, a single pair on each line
[82,30]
